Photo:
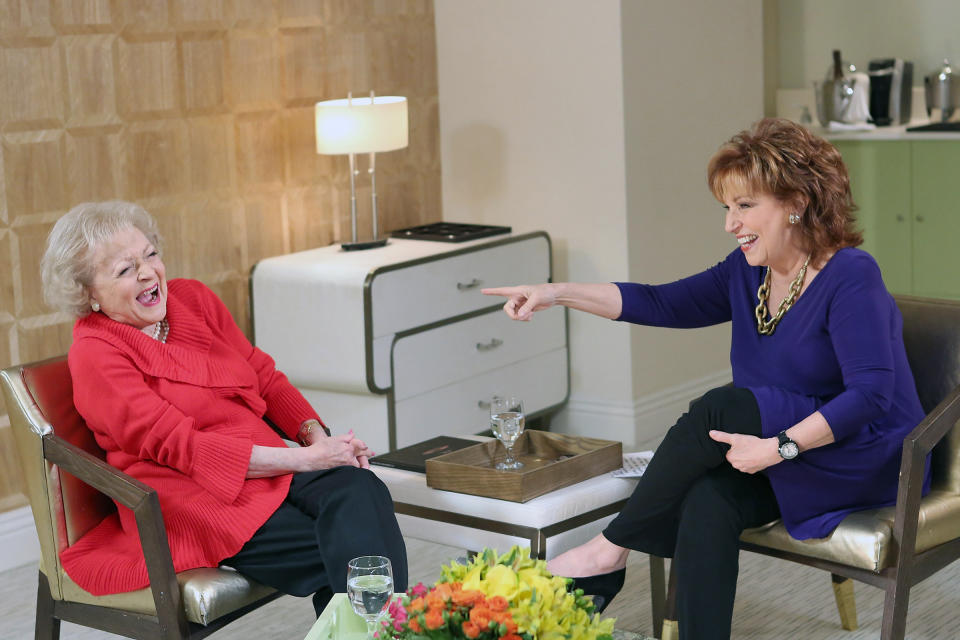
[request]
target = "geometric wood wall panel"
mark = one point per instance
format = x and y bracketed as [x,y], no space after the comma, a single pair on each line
[202,111]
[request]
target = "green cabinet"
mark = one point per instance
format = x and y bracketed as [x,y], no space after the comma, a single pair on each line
[909,210]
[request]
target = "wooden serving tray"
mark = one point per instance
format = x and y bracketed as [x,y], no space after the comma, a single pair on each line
[551,461]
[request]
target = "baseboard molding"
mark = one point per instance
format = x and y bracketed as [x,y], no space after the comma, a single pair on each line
[18,539]
[639,424]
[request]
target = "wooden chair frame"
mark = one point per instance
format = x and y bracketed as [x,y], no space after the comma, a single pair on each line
[170,621]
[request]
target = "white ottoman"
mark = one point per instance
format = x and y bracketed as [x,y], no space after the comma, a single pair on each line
[549,524]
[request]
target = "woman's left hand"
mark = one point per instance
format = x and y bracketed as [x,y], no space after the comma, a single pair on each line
[748,454]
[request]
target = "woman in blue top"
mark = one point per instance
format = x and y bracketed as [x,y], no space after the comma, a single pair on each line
[822,395]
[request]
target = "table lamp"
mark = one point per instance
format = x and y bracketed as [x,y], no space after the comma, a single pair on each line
[363,125]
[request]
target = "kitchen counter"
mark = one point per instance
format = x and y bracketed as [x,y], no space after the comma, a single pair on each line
[887,133]
[791,103]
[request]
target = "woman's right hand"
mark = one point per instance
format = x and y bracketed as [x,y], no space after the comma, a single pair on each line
[524,300]
[336,451]
[323,453]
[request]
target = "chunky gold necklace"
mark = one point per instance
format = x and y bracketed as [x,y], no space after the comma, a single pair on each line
[766,327]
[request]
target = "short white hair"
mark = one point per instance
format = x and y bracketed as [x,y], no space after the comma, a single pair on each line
[67,266]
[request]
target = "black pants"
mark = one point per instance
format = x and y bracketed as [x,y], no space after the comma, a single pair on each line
[691,505]
[328,518]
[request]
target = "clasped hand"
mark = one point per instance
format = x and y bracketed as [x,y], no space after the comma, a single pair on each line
[748,454]
[326,452]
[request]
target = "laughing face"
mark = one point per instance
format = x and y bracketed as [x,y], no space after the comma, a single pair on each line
[763,231]
[130,281]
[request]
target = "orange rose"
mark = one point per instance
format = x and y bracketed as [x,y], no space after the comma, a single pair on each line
[511,636]
[434,619]
[444,590]
[467,598]
[498,603]
[481,616]
[414,625]
[470,629]
[435,600]
[417,604]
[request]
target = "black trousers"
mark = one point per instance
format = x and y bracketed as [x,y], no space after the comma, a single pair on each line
[691,505]
[328,518]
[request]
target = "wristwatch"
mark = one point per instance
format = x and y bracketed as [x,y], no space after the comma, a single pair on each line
[788,448]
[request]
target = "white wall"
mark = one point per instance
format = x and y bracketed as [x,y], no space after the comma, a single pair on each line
[923,31]
[533,130]
[688,86]
[531,136]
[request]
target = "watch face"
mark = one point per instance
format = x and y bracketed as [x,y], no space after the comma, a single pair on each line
[789,450]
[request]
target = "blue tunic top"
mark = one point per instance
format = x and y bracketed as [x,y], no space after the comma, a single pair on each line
[838,350]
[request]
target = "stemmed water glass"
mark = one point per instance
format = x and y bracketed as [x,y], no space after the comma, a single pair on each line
[506,422]
[370,587]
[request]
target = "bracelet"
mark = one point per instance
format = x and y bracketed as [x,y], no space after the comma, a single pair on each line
[307,428]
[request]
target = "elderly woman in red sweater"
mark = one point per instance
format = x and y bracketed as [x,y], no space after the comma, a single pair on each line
[179,399]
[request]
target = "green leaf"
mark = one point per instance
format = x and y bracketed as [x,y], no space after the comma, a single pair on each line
[489,557]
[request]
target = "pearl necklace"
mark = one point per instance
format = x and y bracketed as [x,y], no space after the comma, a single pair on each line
[160,331]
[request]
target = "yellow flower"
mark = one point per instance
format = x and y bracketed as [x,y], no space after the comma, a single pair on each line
[501,581]
[473,578]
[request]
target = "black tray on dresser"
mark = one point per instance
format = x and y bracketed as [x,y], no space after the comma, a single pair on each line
[449,232]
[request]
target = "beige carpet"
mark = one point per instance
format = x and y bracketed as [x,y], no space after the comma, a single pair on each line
[775,600]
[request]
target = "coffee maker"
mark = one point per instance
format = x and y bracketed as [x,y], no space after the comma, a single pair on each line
[891,91]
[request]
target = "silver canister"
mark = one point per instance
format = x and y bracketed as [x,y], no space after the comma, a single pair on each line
[942,91]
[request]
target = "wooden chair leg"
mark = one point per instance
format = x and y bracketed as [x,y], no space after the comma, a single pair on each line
[671,627]
[47,626]
[894,626]
[846,603]
[657,592]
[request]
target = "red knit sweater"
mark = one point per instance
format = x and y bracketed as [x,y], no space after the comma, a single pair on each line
[181,417]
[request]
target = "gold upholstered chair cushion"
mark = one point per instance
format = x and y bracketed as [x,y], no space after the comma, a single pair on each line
[864,539]
[206,594]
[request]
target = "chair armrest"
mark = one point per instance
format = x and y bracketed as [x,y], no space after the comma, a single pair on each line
[106,479]
[938,423]
[143,501]
[916,446]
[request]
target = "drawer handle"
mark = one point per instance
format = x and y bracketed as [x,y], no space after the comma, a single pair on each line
[487,346]
[484,404]
[466,286]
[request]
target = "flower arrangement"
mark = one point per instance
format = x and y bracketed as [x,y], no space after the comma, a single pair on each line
[507,597]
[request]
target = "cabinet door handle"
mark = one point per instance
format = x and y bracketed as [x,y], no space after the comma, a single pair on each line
[484,404]
[487,346]
[900,218]
[919,218]
[466,286]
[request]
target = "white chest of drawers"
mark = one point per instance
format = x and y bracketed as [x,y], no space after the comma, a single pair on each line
[399,344]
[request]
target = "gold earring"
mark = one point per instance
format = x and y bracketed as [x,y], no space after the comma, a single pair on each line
[95,305]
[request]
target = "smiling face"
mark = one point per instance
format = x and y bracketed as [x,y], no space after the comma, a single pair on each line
[129,280]
[763,231]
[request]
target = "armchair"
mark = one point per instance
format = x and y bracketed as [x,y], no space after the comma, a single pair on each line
[895,547]
[71,489]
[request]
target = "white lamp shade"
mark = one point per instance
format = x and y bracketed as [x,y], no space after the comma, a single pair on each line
[361,125]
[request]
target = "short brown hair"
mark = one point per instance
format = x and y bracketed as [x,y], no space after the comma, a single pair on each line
[780,158]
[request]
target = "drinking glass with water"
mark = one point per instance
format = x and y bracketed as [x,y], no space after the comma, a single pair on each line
[507,422]
[370,587]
